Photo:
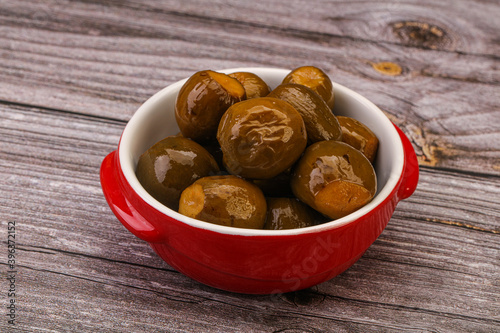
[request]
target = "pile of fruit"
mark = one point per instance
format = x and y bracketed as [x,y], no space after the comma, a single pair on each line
[251,157]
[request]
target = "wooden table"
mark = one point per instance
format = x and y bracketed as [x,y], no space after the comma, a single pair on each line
[73,72]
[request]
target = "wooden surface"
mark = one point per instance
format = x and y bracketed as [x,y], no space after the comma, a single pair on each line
[73,72]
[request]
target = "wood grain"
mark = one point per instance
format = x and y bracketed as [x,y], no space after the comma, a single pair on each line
[107,67]
[73,72]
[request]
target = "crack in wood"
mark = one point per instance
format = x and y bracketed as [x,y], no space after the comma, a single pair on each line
[63,111]
[478,80]
[412,264]
[462,225]
[40,249]
[417,309]
[112,283]
[460,172]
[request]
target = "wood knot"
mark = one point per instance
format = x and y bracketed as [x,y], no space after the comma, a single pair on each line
[421,34]
[387,68]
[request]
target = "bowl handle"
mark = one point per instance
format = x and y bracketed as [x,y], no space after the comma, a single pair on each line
[114,192]
[410,172]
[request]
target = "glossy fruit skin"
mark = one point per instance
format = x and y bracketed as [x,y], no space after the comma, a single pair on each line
[330,162]
[225,200]
[201,102]
[321,123]
[314,78]
[261,137]
[288,213]
[253,84]
[171,165]
[358,135]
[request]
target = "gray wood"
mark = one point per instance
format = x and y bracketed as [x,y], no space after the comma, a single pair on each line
[73,73]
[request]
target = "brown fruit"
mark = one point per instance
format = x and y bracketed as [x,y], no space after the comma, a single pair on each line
[225,200]
[261,137]
[321,123]
[171,165]
[253,84]
[315,79]
[288,213]
[202,101]
[334,178]
[358,135]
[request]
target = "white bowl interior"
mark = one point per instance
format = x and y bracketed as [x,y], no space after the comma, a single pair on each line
[155,120]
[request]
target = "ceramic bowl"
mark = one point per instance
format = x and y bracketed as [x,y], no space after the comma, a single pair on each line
[248,260]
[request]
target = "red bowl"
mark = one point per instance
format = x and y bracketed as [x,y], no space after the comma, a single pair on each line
[249,260]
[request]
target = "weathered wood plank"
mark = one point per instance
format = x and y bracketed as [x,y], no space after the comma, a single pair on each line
[449,25]
[450,126]
[435,97]
[141,298]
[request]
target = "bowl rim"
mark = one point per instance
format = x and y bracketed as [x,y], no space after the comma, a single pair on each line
[383,194]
